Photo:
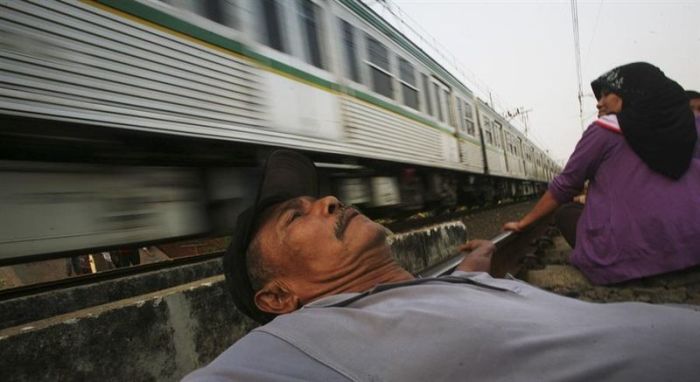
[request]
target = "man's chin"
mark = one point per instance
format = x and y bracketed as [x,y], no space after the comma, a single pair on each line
[379,237]
[365,235]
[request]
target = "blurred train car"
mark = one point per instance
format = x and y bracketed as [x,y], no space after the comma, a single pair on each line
[129,121]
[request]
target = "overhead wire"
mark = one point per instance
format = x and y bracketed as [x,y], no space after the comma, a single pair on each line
[595,29]
[577,55]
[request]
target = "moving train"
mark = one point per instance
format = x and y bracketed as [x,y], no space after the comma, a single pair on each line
[133,121]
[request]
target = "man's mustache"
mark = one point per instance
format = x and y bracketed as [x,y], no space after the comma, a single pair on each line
[341,222]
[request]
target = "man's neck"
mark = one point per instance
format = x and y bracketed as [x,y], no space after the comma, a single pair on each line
[374,270]
[388,272]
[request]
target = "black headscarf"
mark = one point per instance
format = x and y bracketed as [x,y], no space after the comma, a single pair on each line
[655,118]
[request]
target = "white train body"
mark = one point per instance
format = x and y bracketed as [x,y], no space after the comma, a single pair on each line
[325,77]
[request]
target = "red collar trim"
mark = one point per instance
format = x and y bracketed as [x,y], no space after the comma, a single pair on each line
[609,122]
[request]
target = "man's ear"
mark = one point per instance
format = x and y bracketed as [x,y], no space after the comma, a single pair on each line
[276,298]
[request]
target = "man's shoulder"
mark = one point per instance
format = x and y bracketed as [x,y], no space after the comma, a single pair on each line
[261,355]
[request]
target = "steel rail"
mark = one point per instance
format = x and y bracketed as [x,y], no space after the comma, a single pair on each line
[511,250]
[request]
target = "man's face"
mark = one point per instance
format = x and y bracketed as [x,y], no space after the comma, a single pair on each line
[609,103]
[695,106]
[318,245]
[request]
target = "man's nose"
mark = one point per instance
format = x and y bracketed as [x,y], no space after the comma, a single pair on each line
[328,205]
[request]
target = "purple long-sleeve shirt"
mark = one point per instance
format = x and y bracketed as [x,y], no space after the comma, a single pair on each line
[636,222]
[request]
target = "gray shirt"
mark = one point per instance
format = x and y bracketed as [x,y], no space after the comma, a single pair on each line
[468,327]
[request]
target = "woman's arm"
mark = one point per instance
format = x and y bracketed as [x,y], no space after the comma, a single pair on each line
[584,162]
[546,205]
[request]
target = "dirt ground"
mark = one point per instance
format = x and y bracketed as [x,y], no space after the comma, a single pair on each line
[487,224]
[552,272]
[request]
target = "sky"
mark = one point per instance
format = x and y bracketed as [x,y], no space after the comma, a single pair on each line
[523,51]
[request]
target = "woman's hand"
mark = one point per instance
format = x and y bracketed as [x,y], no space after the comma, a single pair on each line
[544,206]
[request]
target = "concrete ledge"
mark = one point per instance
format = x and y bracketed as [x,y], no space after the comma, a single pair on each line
[419,249]
[39,306]
[159,336]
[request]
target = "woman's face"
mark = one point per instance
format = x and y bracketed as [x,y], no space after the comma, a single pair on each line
[609,103]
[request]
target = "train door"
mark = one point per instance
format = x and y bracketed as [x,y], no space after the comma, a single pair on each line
[441,94]
[497,133]
[461,128]
[511,166]
[446,118]
[519,147]
[471,156]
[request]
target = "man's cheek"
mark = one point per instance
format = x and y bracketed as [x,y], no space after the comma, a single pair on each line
[311,240]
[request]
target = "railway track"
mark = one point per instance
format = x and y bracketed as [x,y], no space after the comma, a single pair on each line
[485,217]
[423,219]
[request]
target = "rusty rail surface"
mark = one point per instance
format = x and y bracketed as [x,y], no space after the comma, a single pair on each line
[512,248]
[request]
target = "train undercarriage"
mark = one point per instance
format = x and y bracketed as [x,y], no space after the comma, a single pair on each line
[71,188]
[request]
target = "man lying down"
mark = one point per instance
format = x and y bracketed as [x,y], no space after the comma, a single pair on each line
[337,307]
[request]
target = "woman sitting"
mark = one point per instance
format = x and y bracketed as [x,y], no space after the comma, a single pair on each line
[642,161]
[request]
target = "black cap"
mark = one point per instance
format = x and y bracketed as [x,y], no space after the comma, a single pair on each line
[286,175]
[692,94]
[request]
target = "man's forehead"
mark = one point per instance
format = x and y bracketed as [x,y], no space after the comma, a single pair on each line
[272,213]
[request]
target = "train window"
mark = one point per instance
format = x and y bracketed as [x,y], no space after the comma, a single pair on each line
[450,113]
[497,127]
[512,148]
[489,136]
[309,13]
[468,113]
[488,131]
[273,27]
[426,95]
[468,123]
[214,10]
[409,90]
[470,128]
[439,103]
[352,70]
[378,56]
[460,112]
[220,11]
